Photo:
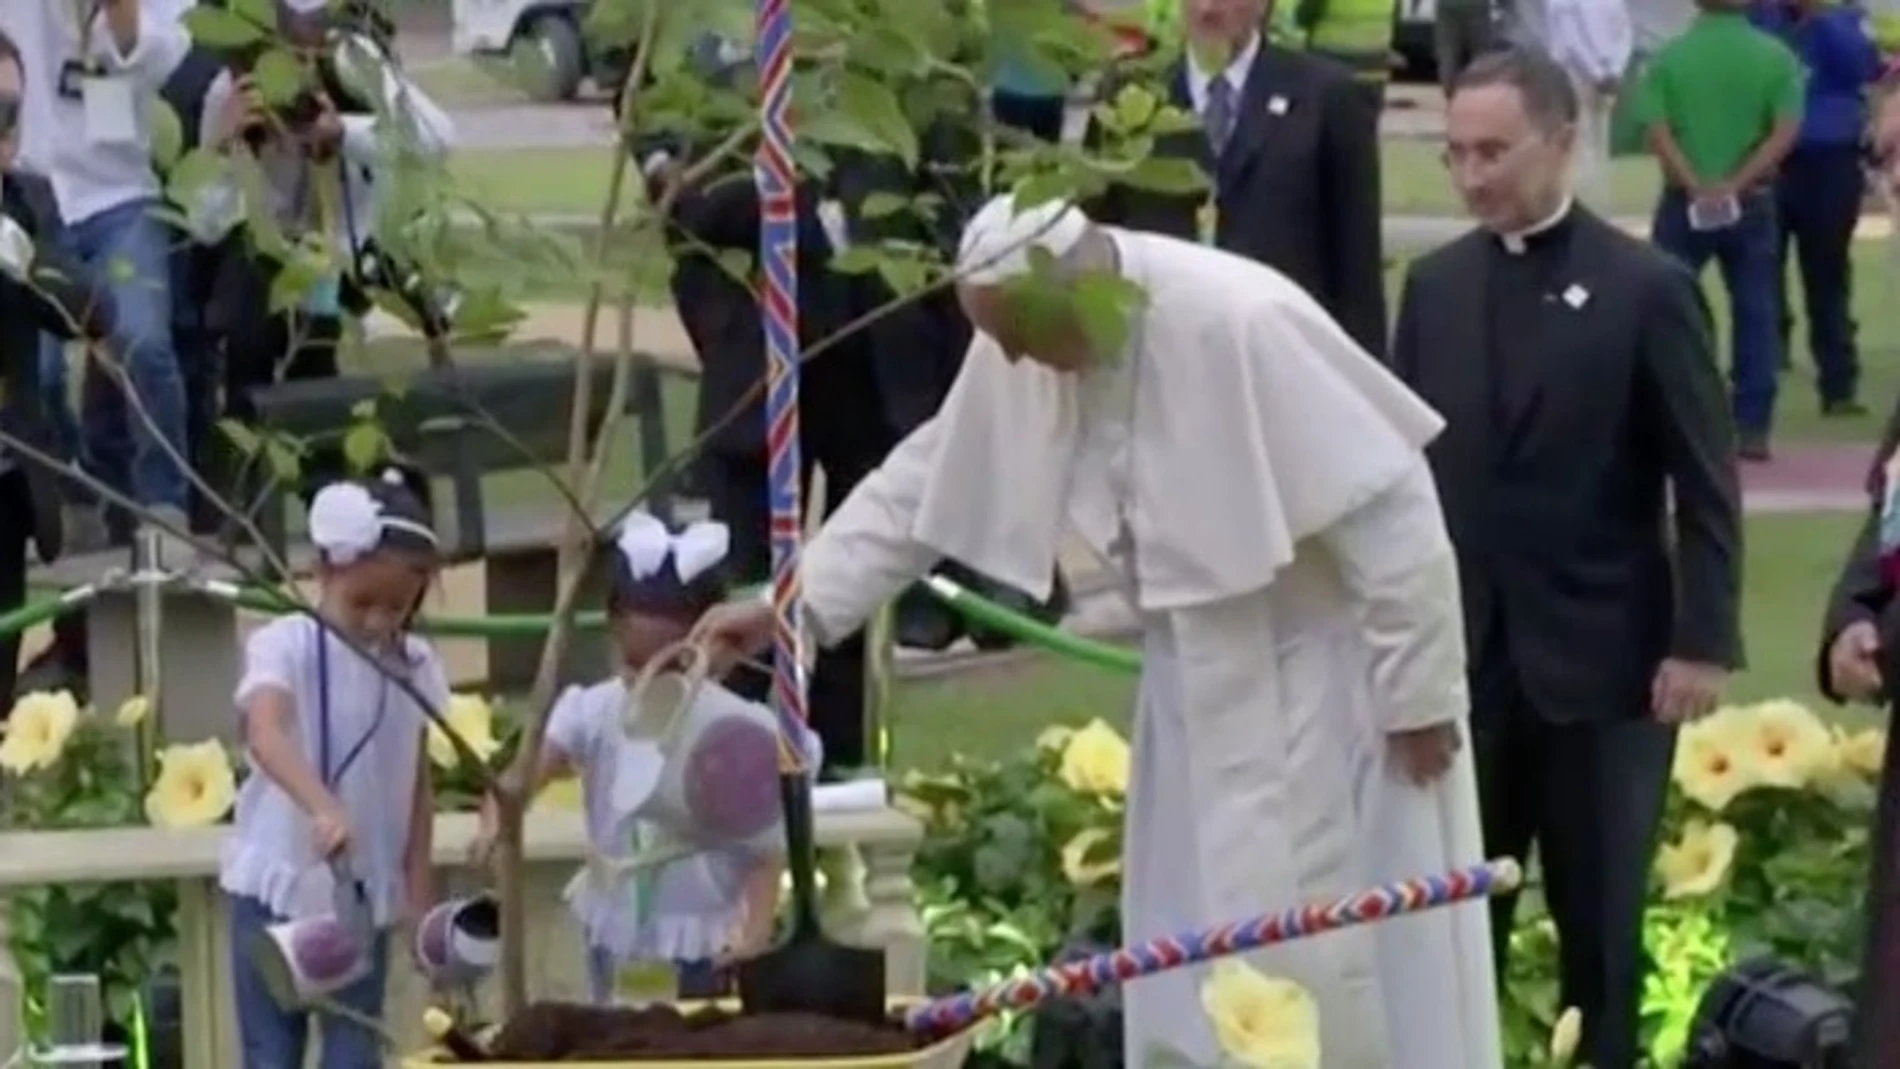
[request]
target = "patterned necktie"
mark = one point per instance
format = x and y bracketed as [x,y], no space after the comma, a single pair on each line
[1219,115]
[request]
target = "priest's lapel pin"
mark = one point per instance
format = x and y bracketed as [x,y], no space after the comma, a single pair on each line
[1277,105]
[1576,296]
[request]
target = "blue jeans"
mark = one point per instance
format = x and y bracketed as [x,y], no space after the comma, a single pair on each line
[1749,256]
[128,248]
[271,1037]
[58,399]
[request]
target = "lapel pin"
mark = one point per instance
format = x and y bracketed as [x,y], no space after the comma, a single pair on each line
[1576,296]
[1276,105]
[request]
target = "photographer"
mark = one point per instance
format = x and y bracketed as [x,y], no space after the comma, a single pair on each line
[95,66]
[41,291]
[305,173]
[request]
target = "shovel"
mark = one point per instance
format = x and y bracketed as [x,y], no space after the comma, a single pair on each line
[808,973]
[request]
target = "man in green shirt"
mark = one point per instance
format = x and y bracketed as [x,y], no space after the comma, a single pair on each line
[1722,105]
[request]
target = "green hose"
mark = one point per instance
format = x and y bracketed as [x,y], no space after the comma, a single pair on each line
[1014,624]
[1035,632]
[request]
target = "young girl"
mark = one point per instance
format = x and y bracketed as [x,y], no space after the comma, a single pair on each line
[694,908]
[340,772]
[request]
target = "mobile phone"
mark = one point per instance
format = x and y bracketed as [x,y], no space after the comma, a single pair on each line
[1714,213]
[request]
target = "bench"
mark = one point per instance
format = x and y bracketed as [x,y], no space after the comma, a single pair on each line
[442,420]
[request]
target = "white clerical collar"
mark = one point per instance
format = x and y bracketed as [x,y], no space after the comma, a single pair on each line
[1235,73]
[1517,241]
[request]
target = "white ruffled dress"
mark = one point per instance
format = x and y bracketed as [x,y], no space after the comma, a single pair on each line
[686,902]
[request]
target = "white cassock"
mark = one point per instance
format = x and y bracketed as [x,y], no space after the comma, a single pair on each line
[1260,481]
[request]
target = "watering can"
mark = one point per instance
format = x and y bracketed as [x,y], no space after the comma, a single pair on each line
[700,763]
[459,941]
[308,959]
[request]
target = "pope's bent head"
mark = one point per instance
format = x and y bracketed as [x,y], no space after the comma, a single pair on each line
[997,258]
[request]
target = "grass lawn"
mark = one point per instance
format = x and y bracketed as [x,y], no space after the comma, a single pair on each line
[1792,560]
[574,180]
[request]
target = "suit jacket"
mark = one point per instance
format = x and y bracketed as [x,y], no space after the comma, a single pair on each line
[721,316]
[1297,187]
[58,302]
[1556,496]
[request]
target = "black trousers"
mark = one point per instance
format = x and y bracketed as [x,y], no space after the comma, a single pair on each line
[735,487]
[1589,797]
[1819,198]
[1877,1001]
[16,536]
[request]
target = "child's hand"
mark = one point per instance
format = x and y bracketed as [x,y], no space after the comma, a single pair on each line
[330,830]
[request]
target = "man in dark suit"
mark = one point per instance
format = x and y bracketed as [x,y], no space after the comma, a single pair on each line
[1575,367]
[40,292]
[1292,148]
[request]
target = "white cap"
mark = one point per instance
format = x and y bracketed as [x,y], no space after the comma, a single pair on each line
[996,243]
[308,7]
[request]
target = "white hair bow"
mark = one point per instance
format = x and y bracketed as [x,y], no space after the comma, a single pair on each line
[645,543]
[347,522]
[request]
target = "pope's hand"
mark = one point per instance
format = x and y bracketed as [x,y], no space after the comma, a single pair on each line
[1853,662]
[1423,754]
[735,630]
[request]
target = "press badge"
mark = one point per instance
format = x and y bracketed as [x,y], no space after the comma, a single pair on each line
[108,102]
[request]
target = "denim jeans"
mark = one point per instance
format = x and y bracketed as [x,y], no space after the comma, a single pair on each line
[128,248]
[1819,198]
[271,1037]
[57,397]
[1748,254]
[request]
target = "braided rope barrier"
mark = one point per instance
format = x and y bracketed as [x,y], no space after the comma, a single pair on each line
[946,1015]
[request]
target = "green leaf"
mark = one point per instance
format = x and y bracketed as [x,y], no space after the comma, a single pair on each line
[241,436]
[872,107]
[1160,174]
[363,445]
[278,76]
[168,135]
[882,205]
[215,27]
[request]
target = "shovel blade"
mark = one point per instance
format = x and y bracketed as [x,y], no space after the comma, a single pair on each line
[816,976]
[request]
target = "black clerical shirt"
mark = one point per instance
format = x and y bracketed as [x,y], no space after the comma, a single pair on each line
[1524,280]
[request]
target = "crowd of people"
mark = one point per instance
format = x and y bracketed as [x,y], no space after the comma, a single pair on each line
[1413,587]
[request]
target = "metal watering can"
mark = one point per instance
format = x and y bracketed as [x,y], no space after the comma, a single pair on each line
[306,960]
[459,941]
[710,777]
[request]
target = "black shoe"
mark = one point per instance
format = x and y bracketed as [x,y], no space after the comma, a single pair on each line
[1753,446]
[921,622]
[1844,407]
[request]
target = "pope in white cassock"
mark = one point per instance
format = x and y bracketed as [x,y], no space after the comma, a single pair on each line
[1259,481]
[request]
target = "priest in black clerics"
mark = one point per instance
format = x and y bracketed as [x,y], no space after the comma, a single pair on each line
[1575,367]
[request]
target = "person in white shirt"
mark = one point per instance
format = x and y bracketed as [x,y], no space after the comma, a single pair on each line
[358,108]
[339,786]
[1592,40]
[95,67]
[683,886]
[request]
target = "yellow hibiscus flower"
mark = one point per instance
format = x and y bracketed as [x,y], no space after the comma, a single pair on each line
[1863,751]
[195,786]
[133,711]
[1698,862]
[1712,765]
[1261,1022]
[472,721]
[37,730]
[1791,745]
[1079,869]
[1564,1037]
[1095,760]
[1054,738]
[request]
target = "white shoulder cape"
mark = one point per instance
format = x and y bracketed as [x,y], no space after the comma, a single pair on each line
[1257,423]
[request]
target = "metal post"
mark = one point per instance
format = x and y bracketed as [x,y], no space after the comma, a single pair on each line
[148,614]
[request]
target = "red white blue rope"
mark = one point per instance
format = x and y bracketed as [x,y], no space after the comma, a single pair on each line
[778,259]
[947,1015]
